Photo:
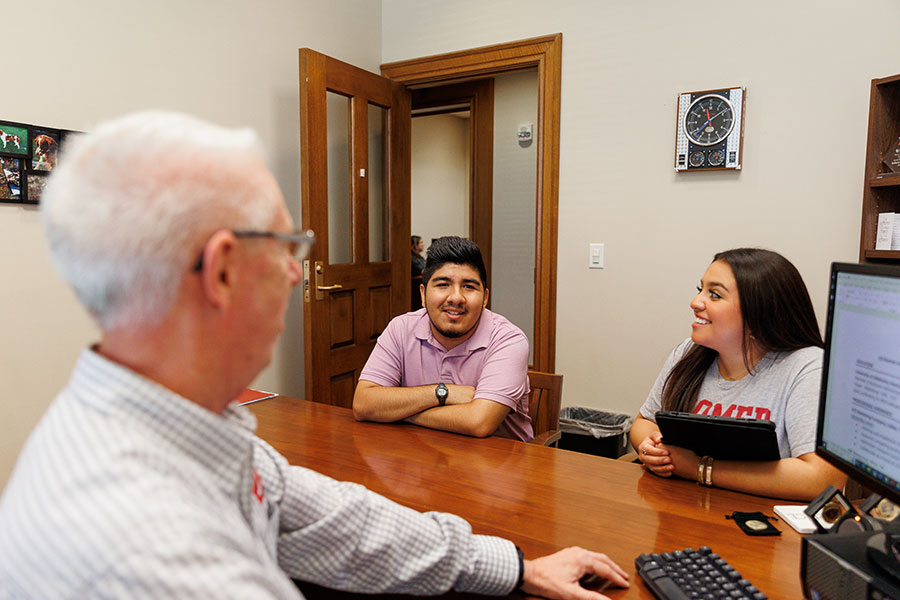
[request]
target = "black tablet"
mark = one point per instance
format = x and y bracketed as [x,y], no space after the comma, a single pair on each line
[724,438]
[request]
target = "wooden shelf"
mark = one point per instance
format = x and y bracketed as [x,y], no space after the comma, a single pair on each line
[886,80]
[882,255]
[881,192]
[885,180]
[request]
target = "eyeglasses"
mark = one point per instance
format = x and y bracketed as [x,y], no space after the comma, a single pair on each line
[298,242]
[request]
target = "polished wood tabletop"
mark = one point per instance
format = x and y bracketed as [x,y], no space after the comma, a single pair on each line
[542,498]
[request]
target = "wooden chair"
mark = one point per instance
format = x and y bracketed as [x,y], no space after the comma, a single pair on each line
[543,407]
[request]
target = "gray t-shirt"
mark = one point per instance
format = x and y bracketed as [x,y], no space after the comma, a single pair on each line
[783,388]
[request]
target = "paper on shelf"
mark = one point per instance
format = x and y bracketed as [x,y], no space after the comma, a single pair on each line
[886,233]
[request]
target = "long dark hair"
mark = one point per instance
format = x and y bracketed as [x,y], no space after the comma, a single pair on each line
[777,313]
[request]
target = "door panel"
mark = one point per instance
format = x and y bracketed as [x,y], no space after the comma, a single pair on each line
[357,275]
[379,222]
[340,197]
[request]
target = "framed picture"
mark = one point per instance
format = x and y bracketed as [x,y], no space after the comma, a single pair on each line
[11,179]
[13,139]
[34,187]
[44,149]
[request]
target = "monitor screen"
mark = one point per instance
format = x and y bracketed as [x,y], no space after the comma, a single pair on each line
[859,414]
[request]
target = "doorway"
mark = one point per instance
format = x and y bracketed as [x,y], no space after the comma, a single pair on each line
[544,55]
[474,176]
[355,195]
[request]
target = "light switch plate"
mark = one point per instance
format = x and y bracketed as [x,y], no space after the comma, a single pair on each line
[595,259]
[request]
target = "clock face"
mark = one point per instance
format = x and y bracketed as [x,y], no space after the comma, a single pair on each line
[716,157]
[709,120]
[697,158]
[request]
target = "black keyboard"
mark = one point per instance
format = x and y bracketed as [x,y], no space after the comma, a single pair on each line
[689,574]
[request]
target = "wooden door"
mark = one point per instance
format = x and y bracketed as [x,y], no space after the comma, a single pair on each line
[354,169]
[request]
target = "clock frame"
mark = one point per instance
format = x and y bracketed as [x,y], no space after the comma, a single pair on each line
[715,142]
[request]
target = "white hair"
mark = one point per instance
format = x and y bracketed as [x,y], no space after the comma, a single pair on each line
[130,206]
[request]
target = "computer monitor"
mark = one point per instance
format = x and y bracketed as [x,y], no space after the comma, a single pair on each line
[858,428]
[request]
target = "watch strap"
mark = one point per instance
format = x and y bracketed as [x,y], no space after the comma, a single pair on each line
[521,581]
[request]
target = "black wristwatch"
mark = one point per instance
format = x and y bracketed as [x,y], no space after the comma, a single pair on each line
[441,392]
[521,581]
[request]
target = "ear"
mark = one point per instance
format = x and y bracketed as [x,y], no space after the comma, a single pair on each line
[422,291]
[219,268]
[487,293]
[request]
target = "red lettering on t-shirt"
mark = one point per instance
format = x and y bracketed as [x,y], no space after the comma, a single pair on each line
[705,407]
[744,411]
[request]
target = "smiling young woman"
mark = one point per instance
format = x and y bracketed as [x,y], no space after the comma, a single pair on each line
[755,351]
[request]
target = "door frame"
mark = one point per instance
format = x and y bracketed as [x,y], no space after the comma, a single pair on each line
[544,53]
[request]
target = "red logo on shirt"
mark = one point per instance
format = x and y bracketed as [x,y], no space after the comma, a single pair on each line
[705,407]
[258,489]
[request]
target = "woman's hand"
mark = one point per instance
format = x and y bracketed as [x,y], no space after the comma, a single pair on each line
[655,455]
[684,462]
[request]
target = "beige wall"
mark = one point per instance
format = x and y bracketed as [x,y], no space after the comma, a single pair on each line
[230,61]
[807,69]
[514,201]
[440,177]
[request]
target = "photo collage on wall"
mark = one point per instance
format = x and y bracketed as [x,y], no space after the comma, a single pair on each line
[28,153]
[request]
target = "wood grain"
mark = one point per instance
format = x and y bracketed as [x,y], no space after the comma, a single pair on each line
[341,327]
[542,498]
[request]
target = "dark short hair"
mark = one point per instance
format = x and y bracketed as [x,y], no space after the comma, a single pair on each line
[455,250]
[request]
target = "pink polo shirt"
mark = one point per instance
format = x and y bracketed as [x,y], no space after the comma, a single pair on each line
[494,360]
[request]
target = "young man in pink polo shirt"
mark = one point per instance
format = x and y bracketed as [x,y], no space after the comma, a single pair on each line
[454,364]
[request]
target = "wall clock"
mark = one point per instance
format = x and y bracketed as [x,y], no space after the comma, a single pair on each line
[709,133]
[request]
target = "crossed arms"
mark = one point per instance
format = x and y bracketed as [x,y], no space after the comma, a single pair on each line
[463,413]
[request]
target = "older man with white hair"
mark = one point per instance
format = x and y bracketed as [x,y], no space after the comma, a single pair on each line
[144,479]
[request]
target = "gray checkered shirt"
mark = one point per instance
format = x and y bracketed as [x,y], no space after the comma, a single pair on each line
[127,490]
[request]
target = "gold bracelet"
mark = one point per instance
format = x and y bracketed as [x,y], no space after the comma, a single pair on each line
[708,475]
[701,470]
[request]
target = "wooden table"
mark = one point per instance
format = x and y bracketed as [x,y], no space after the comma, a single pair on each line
[543,499]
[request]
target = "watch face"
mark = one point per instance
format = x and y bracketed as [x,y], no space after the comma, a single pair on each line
[709,120]
[696,158]
[716,157]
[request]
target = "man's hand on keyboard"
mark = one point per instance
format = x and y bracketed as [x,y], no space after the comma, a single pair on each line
[558,575]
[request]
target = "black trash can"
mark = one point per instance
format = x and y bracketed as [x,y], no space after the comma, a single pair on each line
[594,431]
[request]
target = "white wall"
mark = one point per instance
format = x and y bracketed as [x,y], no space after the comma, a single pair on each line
[807,69]
[440,177]
[230,61]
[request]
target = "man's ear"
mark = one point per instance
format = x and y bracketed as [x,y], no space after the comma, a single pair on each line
[422,291]
[487,293]
[219,267]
